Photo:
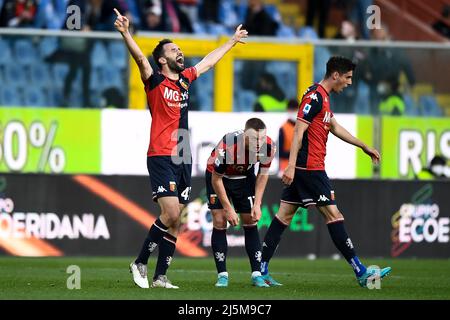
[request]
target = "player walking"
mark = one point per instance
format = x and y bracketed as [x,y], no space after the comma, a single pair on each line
[230,174]
[305,178]
[168,162]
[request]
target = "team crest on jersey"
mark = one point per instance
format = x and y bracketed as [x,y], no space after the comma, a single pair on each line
[172,186]
[184,84]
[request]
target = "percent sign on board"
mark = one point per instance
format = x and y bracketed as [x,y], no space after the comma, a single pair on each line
[15,146]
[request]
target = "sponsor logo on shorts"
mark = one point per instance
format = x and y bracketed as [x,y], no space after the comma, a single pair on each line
[212,198]
[332,195]
[172,186]
[323,198]
[161,189]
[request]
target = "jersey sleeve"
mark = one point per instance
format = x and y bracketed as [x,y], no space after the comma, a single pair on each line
[153,81]
[310,107]
[220,158]
[271,151]
[190,74]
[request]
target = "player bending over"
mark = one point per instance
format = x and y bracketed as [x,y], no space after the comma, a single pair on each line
[230,174]
[305,178]
[168,162]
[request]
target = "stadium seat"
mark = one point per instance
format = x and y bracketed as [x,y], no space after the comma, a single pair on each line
[35,96]
[362,104]
[16,75]
[244,101]
[10,96]
[47,46]
[430,106]
[24,52]
[227,14]
[217,29]
[99,55]
[285,31]
[5,56]
[118,54]
[273,12]
[40,75]
[411,109]
[112,78]
[59,72]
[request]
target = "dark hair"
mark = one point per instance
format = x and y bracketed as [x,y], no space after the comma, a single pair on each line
[292,104]
[340,64]
[255,123]
[159,50]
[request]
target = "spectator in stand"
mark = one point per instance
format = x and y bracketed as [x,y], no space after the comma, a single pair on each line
[270,96]
[209,11]
[383,68]
[257,20]
[322,7]
[18,13]
[51,14]
[345,101]
[441,26]
[171,18]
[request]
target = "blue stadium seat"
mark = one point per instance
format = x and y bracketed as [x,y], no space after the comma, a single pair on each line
[10,96]
[118,54]
[273,12]
[362,104]
[55,97]
[47,46]
[59,72]
[96,79]
[112,78]
[24,52]
[430,107]
[285,31]
[5,56]
[411,109]
[40,75]
[217,29]
[245,100]
[227,13]
[308,33]
[99,55]
[35,97]
[199,28]
[16,75]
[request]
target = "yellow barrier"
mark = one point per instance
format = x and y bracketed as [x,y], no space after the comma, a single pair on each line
[223,71]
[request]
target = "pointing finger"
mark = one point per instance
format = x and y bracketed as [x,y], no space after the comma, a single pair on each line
[117,12]
[239,27]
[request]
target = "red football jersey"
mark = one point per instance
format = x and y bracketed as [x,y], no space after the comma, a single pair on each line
[230,158]
[168,101]
[314,110]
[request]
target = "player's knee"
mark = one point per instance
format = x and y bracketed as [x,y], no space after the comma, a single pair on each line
[171,216]
[219,220]
[285,216]
[333,215]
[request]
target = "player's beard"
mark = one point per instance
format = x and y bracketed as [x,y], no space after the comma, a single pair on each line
[174,66]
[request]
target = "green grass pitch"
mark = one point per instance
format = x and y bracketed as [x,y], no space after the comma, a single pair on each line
[108,278]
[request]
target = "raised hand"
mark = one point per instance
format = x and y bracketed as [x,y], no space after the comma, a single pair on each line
[240,34]
[122,23]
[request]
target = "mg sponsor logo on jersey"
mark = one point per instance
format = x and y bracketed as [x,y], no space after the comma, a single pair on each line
[174,96]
